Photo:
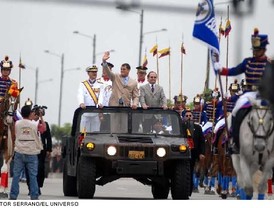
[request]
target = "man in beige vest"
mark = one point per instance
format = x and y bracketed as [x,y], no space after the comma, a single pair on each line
[27,146]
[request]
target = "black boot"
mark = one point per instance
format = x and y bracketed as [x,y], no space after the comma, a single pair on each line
[234,136]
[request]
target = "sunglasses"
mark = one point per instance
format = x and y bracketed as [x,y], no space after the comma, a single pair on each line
[188,116]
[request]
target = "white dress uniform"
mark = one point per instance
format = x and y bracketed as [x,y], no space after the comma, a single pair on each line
[106,93]
[90,121]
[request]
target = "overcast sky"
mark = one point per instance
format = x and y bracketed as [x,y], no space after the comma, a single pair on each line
[29,28]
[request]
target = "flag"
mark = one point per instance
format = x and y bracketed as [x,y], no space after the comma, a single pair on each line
[183,50]
[227,28]
[164,52]
[221,29]
[205,28]
[145,62]
[154,50]
[21,65]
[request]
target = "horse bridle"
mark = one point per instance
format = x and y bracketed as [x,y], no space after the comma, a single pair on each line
[6,101]
[261,122]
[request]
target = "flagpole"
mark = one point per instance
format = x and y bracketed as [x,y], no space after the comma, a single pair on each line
[169,69]
[227,43]
[19,81]
[182,61]
[157,64]
[182,57]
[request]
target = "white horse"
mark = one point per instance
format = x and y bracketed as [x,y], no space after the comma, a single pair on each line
[256,151]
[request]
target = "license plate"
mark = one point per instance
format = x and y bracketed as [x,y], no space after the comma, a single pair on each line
[136,154]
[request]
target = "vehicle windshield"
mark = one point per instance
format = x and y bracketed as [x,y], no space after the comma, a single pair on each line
[131,122]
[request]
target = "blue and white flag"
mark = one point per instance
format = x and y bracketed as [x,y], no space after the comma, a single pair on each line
[205,28]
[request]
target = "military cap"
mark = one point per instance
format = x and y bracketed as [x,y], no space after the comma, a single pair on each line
[235,87]
[6,63]
[92,68]
[180,98]
[216,93]
[197,99]
[29,102]
[259,41]
[110,65]
[142,69]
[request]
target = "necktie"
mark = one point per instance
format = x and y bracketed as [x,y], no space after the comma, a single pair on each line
[152,88]
[125,80]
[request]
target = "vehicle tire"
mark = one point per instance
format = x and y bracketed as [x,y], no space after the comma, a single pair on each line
[160,190]
[181,181]
[86,178]
[69,182]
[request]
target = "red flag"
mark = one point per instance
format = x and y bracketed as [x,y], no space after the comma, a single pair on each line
[164,52]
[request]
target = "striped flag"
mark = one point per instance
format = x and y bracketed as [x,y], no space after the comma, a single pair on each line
[221,29]
[21,65]
[145,62]
[164,52]
[227,28]
[183,50]
[154,50]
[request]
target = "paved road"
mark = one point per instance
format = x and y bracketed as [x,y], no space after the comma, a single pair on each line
[120,189]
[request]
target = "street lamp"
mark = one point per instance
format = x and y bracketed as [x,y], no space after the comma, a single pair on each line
[93,39]
[61,82]
[155,31]
[36,69]
[141,27]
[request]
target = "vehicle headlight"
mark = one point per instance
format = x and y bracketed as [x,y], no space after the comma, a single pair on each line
[90,146]
[161,152]
[182,148]
[111,150]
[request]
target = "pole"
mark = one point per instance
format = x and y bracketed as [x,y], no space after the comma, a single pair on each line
[141,36]
[169,76]
[36,85]
[61,89]
[207,71]
[182,56]
[227,43]
[94,49]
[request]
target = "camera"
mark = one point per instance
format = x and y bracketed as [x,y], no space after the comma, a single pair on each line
[121,102]
[39,110]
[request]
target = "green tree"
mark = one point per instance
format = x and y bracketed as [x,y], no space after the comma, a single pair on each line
[58,132]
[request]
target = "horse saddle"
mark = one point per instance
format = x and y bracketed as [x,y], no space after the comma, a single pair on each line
[236,123]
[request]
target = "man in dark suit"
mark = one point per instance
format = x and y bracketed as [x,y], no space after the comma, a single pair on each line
[193,132]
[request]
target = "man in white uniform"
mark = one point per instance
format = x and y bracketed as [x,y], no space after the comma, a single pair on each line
[89,95]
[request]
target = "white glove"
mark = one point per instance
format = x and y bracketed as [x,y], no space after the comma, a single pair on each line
[218,67]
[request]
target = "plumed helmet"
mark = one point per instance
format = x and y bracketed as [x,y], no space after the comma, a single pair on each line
[234,87]
[6,63]
[258,41]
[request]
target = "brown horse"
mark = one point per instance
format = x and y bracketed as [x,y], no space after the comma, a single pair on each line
[8,108]
[223,163]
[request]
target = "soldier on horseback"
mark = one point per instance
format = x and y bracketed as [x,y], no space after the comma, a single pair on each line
[5,83]
[253,67]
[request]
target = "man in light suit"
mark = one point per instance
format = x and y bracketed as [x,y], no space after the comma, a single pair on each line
[124,93]
[152,95]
